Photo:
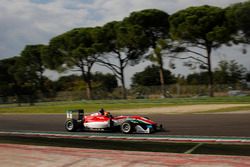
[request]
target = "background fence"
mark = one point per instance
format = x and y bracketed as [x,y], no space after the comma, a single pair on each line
[172,91]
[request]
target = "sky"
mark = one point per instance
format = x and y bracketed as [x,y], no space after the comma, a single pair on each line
[25,22]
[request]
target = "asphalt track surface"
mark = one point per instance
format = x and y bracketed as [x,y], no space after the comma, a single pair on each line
[237,125]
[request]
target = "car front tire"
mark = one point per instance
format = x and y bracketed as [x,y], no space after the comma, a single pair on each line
[127,127]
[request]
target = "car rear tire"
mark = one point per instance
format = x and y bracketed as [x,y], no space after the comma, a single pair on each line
[71,125]
[127,127]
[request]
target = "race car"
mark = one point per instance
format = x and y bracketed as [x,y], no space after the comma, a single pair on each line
[104,121]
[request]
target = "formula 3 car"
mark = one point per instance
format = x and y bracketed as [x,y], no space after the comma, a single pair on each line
[104,121]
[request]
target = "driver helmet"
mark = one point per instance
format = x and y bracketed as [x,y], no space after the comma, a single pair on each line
[101,111]
[107,114]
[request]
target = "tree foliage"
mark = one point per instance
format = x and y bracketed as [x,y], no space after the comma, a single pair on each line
[69,83]
[29,68]
[197,78]
[203,28]
[28,73]
[150,77]
[106,82]
[23,77]
[125,44]
[229,72]
[203,25]
[156,26]
[248,77]
[154,23]
[239,20]
[8,84]
[77,49]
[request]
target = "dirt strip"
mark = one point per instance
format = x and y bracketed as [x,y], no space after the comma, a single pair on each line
[43,156]
[179,109]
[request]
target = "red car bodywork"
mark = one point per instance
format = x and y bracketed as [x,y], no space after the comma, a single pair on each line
[100,122]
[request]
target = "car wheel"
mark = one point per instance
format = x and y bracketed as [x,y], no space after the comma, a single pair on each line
[127,127]
[71,125]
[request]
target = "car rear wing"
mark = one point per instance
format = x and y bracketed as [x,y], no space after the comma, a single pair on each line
[70,114]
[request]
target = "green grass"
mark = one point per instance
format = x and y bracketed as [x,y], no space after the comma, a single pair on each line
[94,105]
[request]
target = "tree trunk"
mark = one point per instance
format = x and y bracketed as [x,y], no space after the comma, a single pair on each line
[163,91]
[87,80]
[89,90]
[18,100]
[31,100]
[210,73]
[121,73]
[124,91]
